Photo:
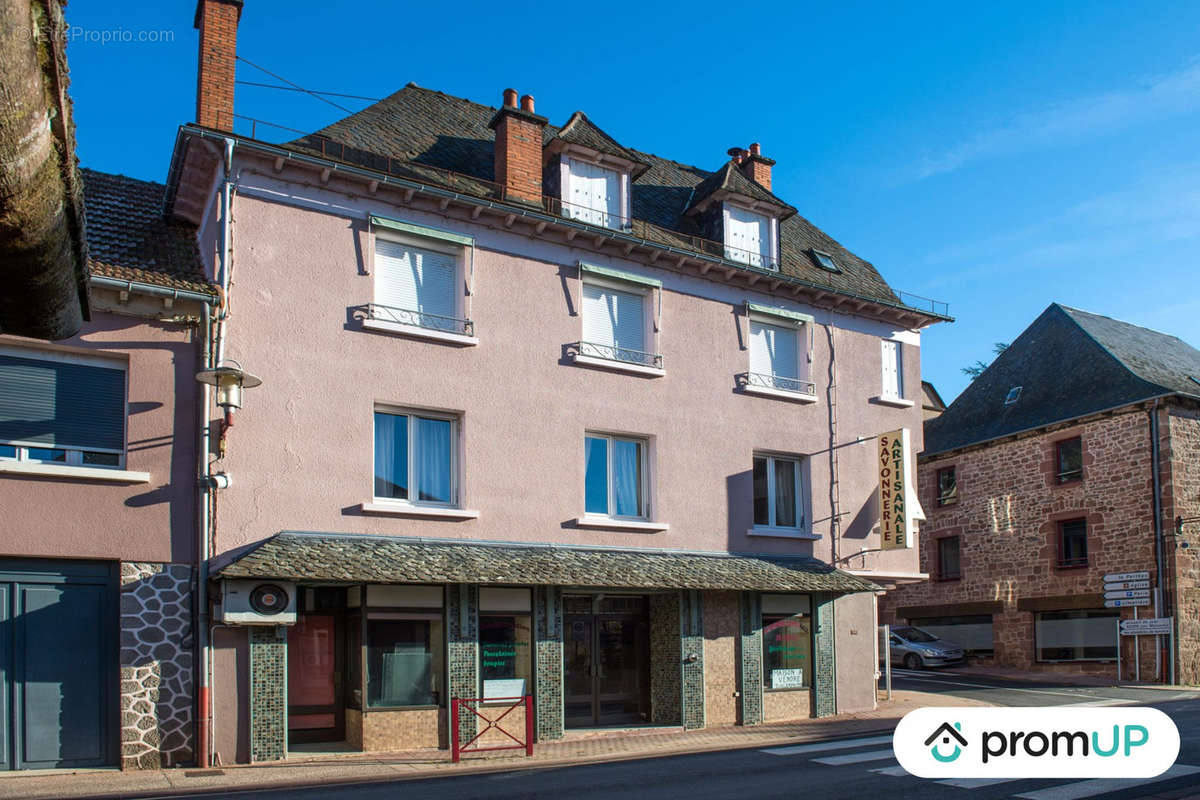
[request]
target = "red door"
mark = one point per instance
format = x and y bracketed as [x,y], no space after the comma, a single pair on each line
[315,710]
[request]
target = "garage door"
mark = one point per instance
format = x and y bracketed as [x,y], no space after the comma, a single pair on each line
[58,664]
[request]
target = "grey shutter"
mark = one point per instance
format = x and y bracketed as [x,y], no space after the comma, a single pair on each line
[58,404]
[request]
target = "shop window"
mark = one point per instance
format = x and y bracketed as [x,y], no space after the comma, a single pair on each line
[1076,635]
[948,566]
[947,486]
[973,632]
[404,659]
[1068,458]
[1072,543]
[787,641]
[504,648]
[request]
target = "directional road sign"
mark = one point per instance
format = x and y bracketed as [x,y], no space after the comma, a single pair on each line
[1145,627]
[1127,594]
[1132,601]
[1126,576]
[1117,585]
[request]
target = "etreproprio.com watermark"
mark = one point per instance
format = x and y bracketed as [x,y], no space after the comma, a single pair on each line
[76,34]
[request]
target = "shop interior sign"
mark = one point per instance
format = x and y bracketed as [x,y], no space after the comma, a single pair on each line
[895,517]
[787,678]
[503,687]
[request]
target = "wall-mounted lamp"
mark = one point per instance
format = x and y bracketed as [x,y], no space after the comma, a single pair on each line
[230,379]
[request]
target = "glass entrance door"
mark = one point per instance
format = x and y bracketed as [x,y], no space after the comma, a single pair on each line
[606,664]
[315,710]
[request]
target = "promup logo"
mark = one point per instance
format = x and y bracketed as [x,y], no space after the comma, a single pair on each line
[946,732]
[1060,742]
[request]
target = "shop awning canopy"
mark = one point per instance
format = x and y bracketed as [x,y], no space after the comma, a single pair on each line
[336,558]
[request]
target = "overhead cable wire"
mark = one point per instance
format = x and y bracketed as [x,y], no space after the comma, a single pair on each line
[297,86]
[309,91]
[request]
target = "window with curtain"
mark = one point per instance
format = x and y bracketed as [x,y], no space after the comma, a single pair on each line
[777,496]
[947,486]
[615,321]
[416,285]
[415,458]
[748,237]
[592,194]
[62,409]
[615,476]
[893,370]
[775,354]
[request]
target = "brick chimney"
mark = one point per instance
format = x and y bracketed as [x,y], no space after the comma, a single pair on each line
[755,167]
[519,149]
[217,21]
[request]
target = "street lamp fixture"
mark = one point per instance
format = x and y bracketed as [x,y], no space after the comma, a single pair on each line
[230,379]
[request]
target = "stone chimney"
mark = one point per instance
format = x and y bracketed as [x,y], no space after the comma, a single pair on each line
[217,21]
[518,154]
[755,167]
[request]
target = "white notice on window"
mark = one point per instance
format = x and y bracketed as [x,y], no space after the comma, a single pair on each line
[506,687]
[787,678]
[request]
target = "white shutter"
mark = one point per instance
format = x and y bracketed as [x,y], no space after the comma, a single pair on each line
[891,369]
[773,350]
[414,279]
[614,318]
[608,197]
[747,236]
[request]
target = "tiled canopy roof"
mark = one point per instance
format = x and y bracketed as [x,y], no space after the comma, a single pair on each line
[128,237]
[387,559]
[1069,364]
[443,140]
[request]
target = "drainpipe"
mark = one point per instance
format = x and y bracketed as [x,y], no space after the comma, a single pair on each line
[1160,596]
[211,359]
[204,732]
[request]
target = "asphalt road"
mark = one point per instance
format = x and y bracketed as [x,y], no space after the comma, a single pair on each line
[862,767]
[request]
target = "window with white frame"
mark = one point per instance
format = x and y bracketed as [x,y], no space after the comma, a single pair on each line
[749,237]
[615,322]
[778,492]
[418,285]
[893,370]
[778,356]
[60,408]
[416,457]
[594,194]
[615,477]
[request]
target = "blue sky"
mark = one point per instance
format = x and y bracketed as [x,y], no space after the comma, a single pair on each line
[997,157]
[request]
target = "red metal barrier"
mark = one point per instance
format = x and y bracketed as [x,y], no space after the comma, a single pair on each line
[489,724]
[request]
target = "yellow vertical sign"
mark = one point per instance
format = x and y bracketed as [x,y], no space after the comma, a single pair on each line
[893,490]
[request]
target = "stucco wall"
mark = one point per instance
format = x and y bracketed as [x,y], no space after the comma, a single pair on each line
[301,453]
[152,522]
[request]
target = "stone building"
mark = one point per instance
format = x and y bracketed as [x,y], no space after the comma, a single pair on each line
[540,415]
[1075,455]
[98,454]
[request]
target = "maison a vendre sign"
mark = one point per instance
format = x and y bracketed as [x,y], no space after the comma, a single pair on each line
[894,518]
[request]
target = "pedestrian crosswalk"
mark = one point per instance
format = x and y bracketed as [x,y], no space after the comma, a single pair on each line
[866,751]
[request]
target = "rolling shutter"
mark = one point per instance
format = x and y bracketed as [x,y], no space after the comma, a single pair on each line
[614,318]
[773,351]
[414,279]
[59,404]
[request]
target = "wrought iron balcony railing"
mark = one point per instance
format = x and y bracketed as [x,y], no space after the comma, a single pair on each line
[777,382]
[420,319]
[613,353]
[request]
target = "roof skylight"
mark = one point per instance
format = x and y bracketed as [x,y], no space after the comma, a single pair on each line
[1013,394]
[825,261]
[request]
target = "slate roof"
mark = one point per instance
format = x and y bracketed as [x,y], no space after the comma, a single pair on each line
[1068,363]
[582,131]
[445,141]
[388,559]
[129,238]
[731,179]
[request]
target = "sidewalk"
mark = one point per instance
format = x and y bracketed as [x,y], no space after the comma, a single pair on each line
[1009,673]
[326,769]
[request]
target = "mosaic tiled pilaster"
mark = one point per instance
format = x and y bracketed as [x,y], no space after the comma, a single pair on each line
[268,693]
[750,647]
[156,665]
[691,649]
[462,617]
[825,661]
[548,660]
[666,689]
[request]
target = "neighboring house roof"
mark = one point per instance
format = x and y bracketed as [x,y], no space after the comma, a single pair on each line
[931,400]
[1069,364]
[445,141]
[129,238]
[387,559]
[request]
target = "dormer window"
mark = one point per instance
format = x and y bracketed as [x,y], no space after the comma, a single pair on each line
[598,195]
[751,237]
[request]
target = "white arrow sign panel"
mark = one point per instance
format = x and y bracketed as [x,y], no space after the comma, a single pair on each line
[1117,585]
[1127,576]
[1127,594]
[1133,601]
